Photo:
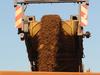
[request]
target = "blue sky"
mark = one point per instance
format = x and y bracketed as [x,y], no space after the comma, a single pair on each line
[13,55]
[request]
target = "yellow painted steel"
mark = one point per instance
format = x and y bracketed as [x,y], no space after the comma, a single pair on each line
[69,27]
[34,28]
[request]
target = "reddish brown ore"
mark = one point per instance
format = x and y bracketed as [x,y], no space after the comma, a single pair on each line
[48,40]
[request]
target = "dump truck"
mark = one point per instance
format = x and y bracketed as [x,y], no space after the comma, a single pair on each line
[53,45]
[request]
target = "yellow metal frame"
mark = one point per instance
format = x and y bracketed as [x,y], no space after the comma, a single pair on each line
[69,27]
